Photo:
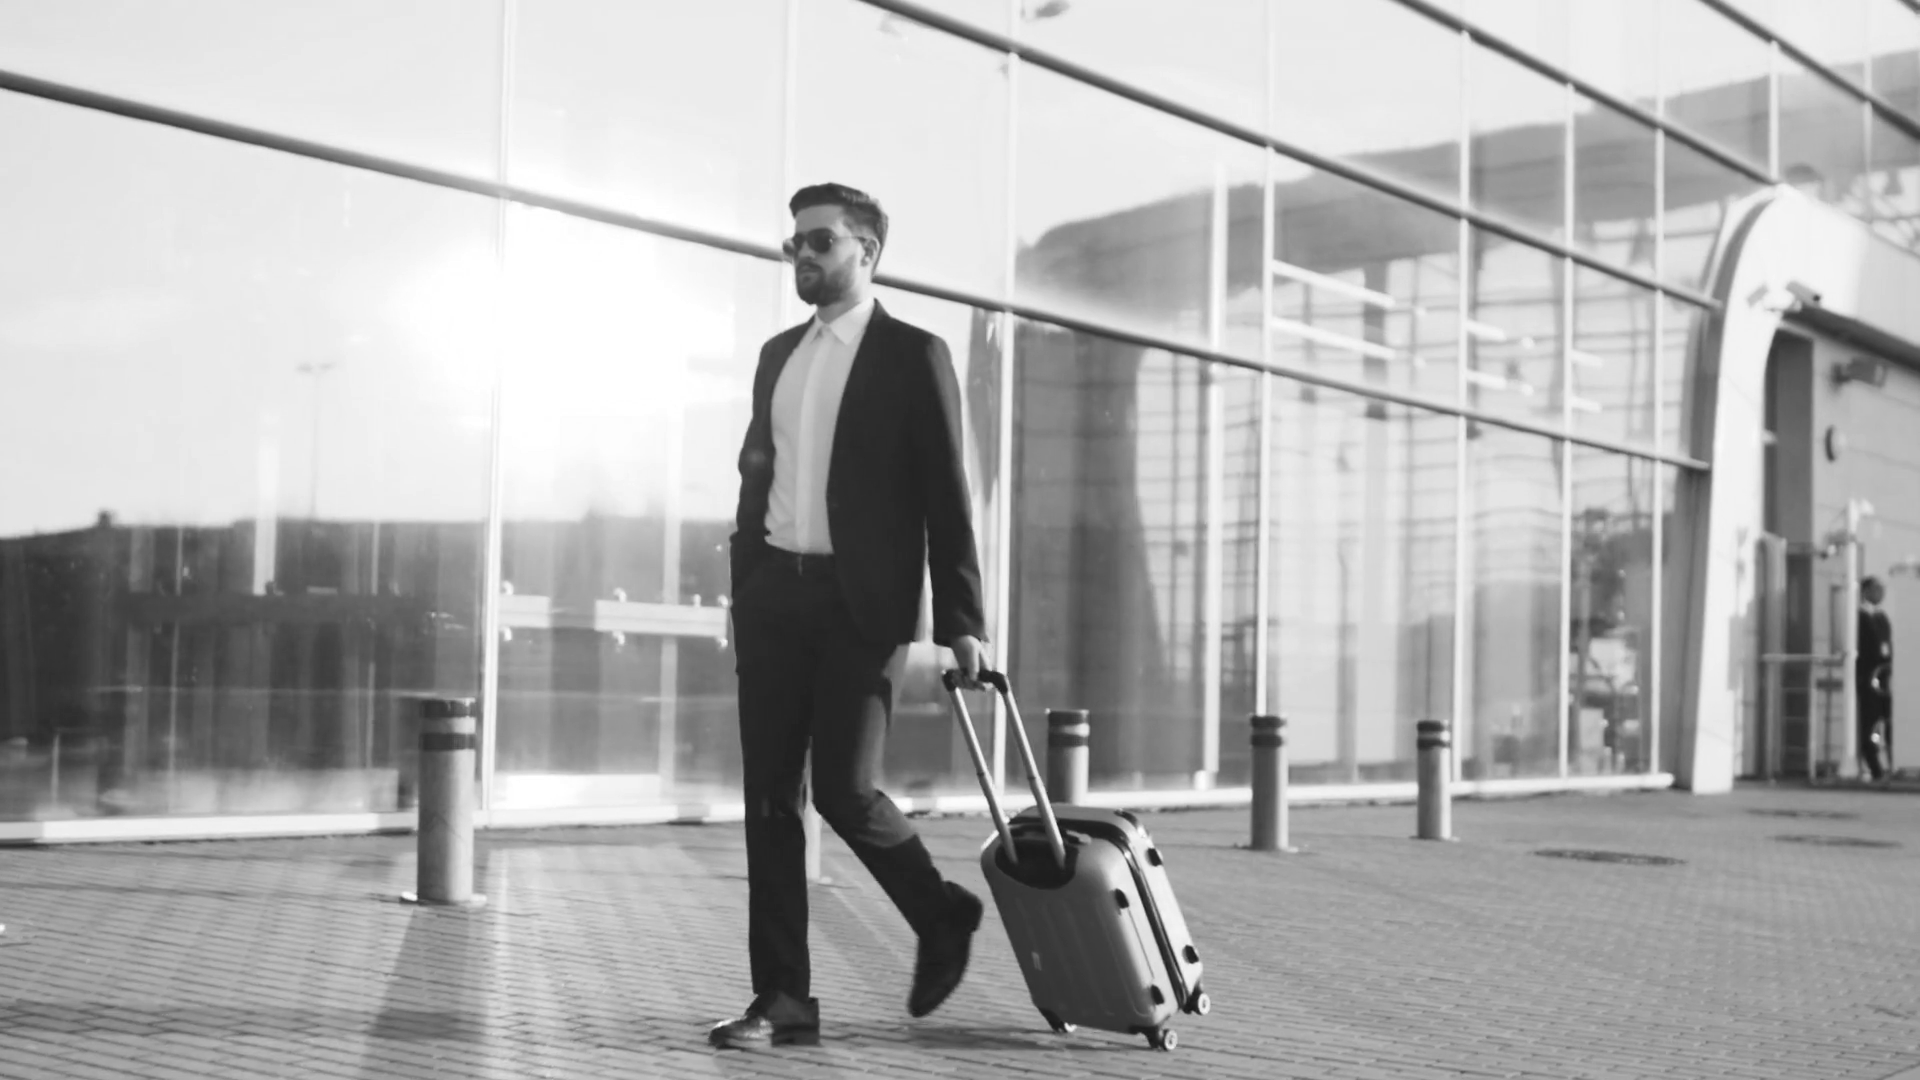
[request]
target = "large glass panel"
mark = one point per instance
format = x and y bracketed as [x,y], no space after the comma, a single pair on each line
[1833,32]
[1714,77]
[1128,216]
[1238,530]
[1366,286]
[245,466]
[1612,366]
[1682,385]
[1212,56]
[1615,185]
[1894,67]
[1892,188]
[1609,665]
[1822,137]
[633,361]
[671,111]
[418,81]
[1699,192]
[929,139]
[1610,47]
[1373,82]
[1515,310]
[1518,165]
[1362,524]
[1538,27]
[1512,726]
[1115,519]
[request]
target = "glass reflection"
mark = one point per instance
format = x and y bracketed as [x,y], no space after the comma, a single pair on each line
[1610,47]
[1365,286]
[1539,27]
[1166,244]
[1616,184]
[1715,78]
[632,365]
[1363,516]
[1612,363]
[422,80]
[245,485]
[1211,56]
[1891,190]
[1699,192]
[1512,727]
[1515,312]
[692,134]
[1833,32]
[1609,672]
[929,139]
[1519,156]
[1112,494]
[1682,384]
[1373,82]
[1894,67]
[1822,137]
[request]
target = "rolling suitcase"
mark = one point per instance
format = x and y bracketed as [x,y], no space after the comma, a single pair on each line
[1087,903]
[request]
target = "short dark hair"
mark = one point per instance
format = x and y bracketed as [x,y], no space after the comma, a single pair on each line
[1871,580]
[861,207]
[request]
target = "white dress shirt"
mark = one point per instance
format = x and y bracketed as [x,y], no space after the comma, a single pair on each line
[806,409]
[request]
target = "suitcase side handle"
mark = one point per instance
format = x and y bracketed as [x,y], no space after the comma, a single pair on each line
[954,682]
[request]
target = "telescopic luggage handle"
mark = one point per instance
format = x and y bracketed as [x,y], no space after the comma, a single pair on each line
[955,682]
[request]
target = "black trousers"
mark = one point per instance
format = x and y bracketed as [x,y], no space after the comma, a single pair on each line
[1875,710]
[806,675]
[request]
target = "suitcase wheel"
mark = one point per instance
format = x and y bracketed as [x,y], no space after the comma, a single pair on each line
[1059,1026]
[1201,1003]
[1163,1039]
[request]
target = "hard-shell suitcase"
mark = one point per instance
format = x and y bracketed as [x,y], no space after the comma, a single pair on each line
[1087,903]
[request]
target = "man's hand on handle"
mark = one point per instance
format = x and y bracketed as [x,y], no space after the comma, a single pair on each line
[970,658]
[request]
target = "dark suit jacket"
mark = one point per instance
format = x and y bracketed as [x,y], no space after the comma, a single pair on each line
[1876,644]
[897,501]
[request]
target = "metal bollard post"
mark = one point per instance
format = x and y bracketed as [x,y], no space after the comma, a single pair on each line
[1270,783]
[1435,746]
[1067,732]
[447,751]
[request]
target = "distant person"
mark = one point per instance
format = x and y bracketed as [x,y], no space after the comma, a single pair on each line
[1873,679]
[852,488]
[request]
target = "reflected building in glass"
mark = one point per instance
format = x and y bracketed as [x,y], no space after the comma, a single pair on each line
[1351,362]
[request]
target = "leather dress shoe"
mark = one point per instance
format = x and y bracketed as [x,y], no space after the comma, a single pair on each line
[774,1019]
[943,954]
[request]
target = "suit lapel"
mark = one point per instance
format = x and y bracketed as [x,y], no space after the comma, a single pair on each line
[770,378]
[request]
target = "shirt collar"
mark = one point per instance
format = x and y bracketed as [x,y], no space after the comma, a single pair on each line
[851,325]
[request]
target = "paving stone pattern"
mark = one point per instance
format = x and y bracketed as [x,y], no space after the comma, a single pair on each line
[607,952]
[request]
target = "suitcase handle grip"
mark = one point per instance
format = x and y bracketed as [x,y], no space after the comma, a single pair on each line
[955,682]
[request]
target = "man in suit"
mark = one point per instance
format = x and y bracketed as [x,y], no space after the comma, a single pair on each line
[1873,679]
[852,489]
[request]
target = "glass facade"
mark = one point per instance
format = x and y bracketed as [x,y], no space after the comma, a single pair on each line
[1361,401]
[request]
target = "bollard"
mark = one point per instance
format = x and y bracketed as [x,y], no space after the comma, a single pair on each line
[1067,732]
[1435,746]
[1269,783]
[447,750]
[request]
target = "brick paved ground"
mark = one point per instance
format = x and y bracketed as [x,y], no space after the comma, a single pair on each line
[605,953]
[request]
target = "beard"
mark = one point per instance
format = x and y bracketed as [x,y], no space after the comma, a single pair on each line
[825,286]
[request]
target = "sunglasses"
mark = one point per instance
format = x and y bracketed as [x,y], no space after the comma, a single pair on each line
[820,241]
